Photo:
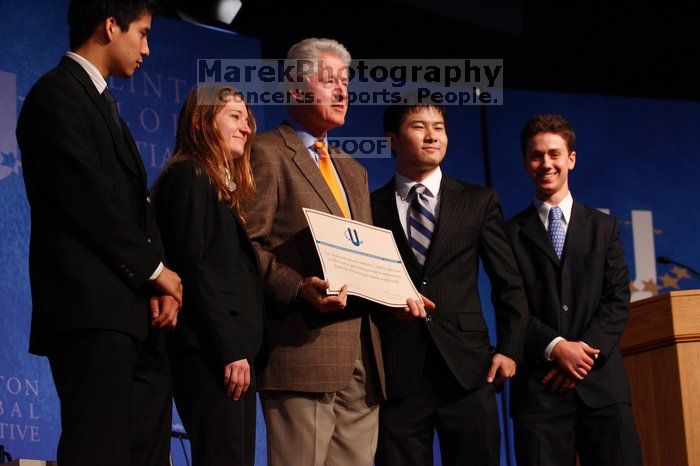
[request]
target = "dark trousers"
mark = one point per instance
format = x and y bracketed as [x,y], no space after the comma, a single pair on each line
[221,431]
[116,404]
[466,422]
[605,436]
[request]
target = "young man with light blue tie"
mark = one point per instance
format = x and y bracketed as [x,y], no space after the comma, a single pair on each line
[571,395]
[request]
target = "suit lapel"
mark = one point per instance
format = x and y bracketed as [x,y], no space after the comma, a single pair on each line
[135,152]
[309,169]
[388,217]
[577,231]
[448,220]
[534,230]
[117,137]
[351,185]
[244,239]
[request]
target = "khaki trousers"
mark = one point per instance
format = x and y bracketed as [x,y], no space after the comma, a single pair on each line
[324,429]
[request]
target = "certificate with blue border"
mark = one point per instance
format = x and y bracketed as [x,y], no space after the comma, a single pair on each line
[362,256]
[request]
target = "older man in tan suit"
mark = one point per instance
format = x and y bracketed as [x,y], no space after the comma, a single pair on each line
[321,388]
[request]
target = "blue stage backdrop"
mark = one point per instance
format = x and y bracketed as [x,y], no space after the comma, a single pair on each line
[636,158]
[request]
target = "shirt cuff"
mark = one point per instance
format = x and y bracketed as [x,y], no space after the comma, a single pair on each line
[157,272]
[550,347]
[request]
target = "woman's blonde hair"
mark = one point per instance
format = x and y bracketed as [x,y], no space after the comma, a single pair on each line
[200,141]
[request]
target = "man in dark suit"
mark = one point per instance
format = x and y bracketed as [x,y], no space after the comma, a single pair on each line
[571,394]
[441,371]
[321,389]
[95,256]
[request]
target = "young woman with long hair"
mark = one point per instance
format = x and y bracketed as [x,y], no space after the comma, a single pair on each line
[197,201]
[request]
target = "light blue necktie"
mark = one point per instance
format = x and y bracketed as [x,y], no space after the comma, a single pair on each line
[556,230]
[421,223]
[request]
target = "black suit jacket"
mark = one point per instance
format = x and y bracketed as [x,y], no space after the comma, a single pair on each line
[585,297]
[94,242]
[470,226]
[222,312]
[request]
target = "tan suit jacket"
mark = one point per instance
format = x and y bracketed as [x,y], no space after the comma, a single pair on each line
[309,351]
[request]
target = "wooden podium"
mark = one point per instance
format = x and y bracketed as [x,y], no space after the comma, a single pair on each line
[661,352]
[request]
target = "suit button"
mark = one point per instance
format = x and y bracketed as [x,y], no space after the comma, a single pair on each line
[149,240]
[148,199]
[130,275]
[428,318]
[565,308]
[423,283]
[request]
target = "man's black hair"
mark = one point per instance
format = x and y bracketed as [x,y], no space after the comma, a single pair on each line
[395,114]
[85,15]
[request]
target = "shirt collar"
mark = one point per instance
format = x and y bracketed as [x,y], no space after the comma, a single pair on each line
[432,183]
[307,138]
[95,76]
[565,205]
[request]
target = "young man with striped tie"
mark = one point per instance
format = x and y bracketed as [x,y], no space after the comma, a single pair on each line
[442,372]
[571,394]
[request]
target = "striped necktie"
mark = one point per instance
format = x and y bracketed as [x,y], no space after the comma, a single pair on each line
[326,167]
[421,223]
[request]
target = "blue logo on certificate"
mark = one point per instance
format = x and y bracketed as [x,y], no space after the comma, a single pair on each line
[353,239]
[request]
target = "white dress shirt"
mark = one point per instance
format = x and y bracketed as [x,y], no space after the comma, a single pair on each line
[565,205]
[97,79]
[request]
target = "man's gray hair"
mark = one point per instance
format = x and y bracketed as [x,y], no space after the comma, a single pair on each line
[313,47]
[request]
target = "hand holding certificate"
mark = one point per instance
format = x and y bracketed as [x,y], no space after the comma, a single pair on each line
[361,256]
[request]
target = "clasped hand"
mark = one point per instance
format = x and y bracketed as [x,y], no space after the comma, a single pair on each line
[165,307]
[575,360]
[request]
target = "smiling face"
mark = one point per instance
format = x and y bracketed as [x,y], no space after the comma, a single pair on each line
[420,144]
[128,48]
[328,91]
[548,162]
[233,125]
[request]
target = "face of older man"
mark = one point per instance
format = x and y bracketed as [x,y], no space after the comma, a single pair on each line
[323,96]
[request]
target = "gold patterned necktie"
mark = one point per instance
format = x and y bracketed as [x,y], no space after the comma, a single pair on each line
[326,167]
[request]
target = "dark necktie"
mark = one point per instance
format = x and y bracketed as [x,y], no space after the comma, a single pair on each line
[556,230]
[113,108]
[421,223]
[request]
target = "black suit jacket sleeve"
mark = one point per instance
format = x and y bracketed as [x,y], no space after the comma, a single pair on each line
[540,335]
[506,285]
[607,324]
[184,199]
[69,164]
